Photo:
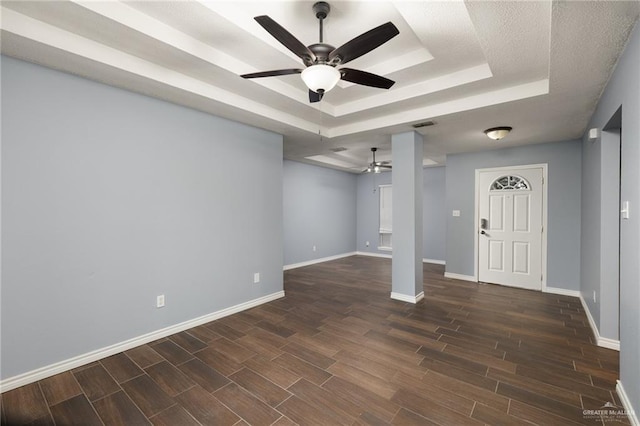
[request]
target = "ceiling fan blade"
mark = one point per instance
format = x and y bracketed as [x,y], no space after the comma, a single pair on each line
[364,43]
[272,73]
[315,97]
[365,78]
[286,38]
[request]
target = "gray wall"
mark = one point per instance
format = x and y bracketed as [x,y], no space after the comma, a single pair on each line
[368,211]
[110,198]
[623,90]
[319,210]
[600,231]
[433,212]
[590,227]
[610,235]
[563,234]
[407,267]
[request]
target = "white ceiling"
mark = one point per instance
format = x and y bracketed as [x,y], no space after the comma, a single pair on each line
[538,66]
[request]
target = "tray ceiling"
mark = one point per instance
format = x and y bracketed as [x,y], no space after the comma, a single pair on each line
[537,66]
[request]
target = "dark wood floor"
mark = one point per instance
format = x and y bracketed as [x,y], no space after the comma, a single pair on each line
[338,351]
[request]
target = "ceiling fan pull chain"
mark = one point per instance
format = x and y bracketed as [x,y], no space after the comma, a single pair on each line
[320,121]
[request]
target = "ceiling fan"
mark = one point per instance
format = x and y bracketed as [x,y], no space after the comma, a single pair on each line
[376,166]
[321,59]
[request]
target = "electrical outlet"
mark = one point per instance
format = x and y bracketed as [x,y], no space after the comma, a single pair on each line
[314,248]
[256,277]
[367,244]
[160,301]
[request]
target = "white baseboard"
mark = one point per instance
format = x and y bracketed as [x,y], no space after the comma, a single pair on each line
[389,256]
[626,403]
[406,298]
[460,277]
[320,260]
[603,342]
[80,360]
[372,254]
[561,291]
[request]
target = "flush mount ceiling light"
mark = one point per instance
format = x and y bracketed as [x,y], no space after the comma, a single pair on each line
[497,133]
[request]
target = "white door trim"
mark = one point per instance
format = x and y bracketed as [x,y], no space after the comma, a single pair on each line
[545,208]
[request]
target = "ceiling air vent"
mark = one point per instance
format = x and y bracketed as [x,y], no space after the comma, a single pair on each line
[423,124]
[339,149]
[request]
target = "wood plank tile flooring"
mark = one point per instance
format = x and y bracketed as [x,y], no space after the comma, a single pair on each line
[338,351]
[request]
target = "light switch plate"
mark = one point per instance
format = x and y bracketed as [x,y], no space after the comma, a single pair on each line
[456,213]
[625,210]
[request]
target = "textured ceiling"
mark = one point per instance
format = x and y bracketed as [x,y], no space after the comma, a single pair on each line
[537,66]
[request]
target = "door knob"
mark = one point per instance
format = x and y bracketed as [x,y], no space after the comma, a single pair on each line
[483,233]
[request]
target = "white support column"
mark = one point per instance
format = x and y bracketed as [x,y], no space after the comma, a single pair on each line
[406,284]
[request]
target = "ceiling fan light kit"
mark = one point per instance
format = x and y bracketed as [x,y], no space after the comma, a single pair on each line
[321,59]
[320,78]
[376,166]
[497,133]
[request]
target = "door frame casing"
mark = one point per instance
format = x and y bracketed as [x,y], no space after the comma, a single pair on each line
[545,208]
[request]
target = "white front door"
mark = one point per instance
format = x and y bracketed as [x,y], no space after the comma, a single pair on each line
[510,227]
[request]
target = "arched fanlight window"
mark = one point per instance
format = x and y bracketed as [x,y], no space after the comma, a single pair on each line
[510,183]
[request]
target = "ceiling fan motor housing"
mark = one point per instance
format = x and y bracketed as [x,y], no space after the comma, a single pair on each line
[321,50]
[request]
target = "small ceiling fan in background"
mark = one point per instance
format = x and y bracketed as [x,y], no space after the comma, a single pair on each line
[376,166]
[321,59]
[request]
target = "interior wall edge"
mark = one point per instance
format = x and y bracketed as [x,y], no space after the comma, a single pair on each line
[626,403]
